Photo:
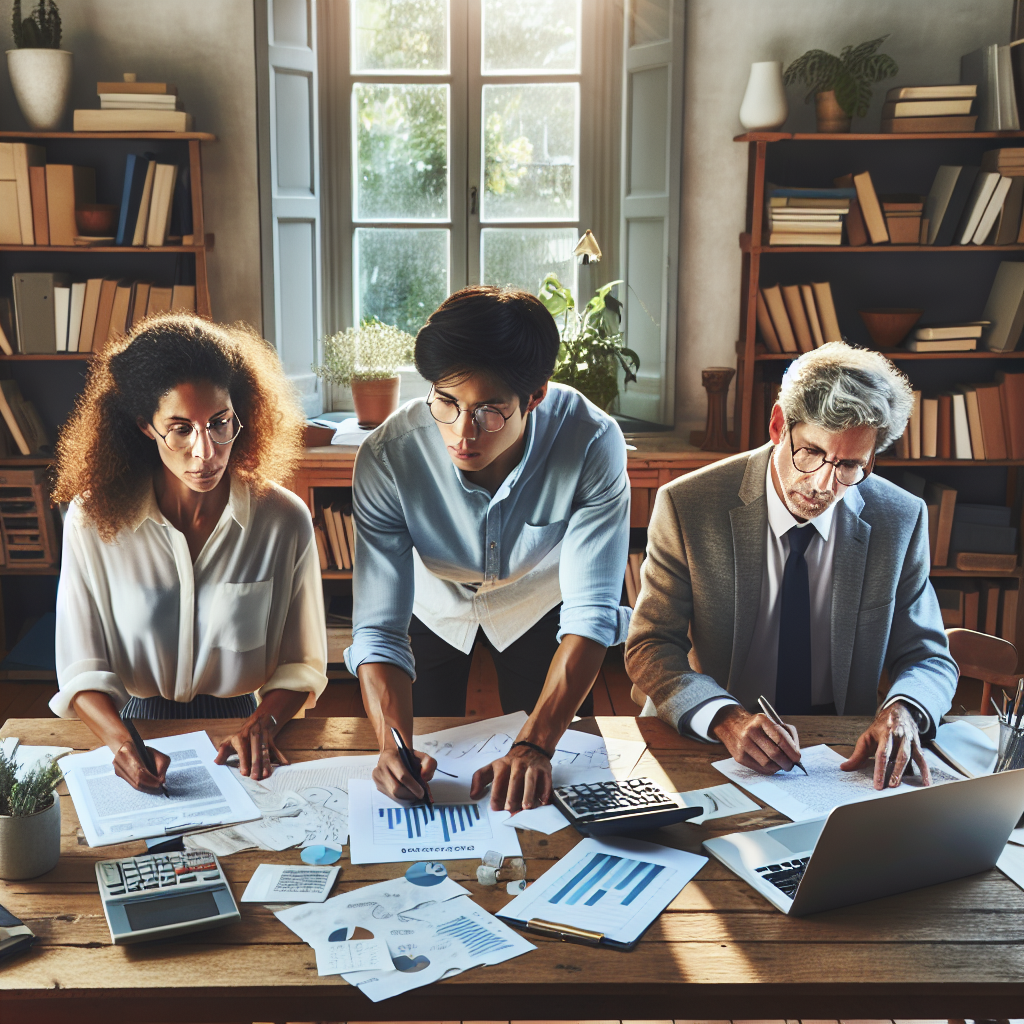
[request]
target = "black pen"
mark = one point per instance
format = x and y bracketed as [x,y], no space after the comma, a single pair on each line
[411,764]
[774,716]
[144,752]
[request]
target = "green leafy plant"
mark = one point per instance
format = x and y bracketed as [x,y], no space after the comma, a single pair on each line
[33,793]
[371,351]
[592,348]
[850,75]
[40,30]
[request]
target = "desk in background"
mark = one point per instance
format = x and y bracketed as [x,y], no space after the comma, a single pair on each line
[720,951]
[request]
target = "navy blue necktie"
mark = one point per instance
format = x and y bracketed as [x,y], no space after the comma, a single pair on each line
[793,676]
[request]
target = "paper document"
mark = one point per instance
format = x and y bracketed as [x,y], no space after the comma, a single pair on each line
[200,792]
[289,883]
[1011,863]
[332,772]
[581,757]
[463,749]
[386,832]
[801,797]
[718,802]
[1017,836]
[547,819]
[966,748]
[616,887]
[354,955]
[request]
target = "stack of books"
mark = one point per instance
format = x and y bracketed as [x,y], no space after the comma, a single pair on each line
[903,218]
[990,70]
[806,216]
[929,108]
[1007,161]
[131,106]
[947,337]
[795,318]
[977,205]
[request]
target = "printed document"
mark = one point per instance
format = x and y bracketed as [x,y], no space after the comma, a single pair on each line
[289,883]
[801,797]
[200,793]
[718,802]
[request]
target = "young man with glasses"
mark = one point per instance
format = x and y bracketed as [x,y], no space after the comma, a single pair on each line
[793,571]
[496,510]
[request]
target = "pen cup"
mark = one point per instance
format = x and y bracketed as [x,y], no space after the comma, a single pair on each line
[1011,748]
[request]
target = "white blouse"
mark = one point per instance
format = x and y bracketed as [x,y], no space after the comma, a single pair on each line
[136,617]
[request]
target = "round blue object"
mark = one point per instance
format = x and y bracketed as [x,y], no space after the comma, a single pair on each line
[426,873]
[320,855]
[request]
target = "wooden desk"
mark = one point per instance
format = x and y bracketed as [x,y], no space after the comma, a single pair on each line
[720,951]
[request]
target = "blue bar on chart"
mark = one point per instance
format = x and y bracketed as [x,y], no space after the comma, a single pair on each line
[603,874]
[475,938]
[421,822]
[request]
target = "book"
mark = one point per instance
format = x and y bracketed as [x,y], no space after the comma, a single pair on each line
[34,310]
[797,317]
[939,196]
[765,325]
[131,197]
[870,208]
[120,311]
[90,309]
[925,125]
[840,192]
[339,528]
[915,426]
[140,302]
[812,315]
[40,215]
[795,204]
[1011,387]
[903,229]
[807,226]
[945,498]
[1005,161]
[826,311]
[944,428]
[929,427]
[942,232]
[961,428]
[67,188]
[1005,308]
[26,156]
[7,162]
[321,544]
[795,238]
[1008,621]
[139,101]
[332,536]
[991,413]
[989,69]
[8,339]
[1008,225]
[990,606]
[350,531]
[973,421]
[136,88]
[10,223]
[777,308]
[159,300]
[15,935]
[925,108]
[942,345]
[183,297]
[138,236]
[931,92]
[132,121]
[76,307]
[181,225]
[984,186]
[160,206]
[22,420]
[939,332]
[108,289]
[992,211]
[61,308]
[976,538]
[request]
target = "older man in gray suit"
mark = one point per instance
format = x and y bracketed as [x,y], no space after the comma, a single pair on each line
[795,572]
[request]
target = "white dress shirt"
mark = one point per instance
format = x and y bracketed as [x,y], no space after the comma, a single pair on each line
[762,660]
[136,617]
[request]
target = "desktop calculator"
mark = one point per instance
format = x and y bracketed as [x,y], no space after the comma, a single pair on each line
[157,895]
[610,808]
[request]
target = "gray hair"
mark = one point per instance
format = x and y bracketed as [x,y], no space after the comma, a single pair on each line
[837,387]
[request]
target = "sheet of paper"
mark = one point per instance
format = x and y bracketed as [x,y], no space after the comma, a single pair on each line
[718,802]
[613,886]
[464,748]
[988,724]
[385,831]
[547,819]
[581,757]
[201,793]
[221,842]
[1017,836]
[1011,863]
[801,797]
[332,772]
[289,883]
[354,955]
[969,749]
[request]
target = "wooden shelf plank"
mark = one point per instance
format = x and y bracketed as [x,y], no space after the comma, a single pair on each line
[133,249]
[336,574]
[949,462]
[26,461]
[868,136]
[781,356]
[747,245]
[172,136]
[23,358]
[947,570]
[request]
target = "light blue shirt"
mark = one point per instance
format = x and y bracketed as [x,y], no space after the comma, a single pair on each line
[431,541]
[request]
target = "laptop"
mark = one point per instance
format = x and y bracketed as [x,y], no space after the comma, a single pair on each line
[877,848]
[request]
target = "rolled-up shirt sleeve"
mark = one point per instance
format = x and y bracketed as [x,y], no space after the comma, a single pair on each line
[83,662]
[302,659]
[383,584]
[596,546]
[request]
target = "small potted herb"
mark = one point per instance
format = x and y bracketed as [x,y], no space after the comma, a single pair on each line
[29,818]
[592,349]
[367,359]
[40,70]
[841,86]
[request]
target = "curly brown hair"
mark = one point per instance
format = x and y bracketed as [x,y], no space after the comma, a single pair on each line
[106,462]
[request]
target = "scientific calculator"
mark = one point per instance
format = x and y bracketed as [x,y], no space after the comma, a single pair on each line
[157,895]
[611,808]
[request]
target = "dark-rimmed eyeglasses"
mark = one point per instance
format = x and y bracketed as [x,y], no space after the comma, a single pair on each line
[810,460]
[181,437]
[486,417]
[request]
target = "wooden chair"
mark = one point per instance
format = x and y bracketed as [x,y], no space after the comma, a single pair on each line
[986,658]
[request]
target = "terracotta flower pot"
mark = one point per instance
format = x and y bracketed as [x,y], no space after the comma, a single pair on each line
[831,116]
[375,400]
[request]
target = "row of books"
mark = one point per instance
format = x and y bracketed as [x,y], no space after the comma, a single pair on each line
[797,317]
[135,107]
[982,422]
[156,203]
[335,536]
[803,212]
[54,314]
[988,606]
[23,433]
[978,205]
[930,108]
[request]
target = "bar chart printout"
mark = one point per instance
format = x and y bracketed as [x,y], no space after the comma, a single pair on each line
[442,822]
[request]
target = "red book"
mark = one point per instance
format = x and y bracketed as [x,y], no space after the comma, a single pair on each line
[1011,391]
[944,438]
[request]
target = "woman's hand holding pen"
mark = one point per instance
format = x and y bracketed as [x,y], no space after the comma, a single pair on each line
[395,780]
[128,765]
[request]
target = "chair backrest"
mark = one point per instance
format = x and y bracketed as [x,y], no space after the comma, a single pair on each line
[984,657]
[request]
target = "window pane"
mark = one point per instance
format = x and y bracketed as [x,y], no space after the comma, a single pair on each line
[530,36]
[525,256]
[399,35]
[529,146]
[401,155]
[402,274]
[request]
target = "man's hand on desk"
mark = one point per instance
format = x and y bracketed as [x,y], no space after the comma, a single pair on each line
[393,779]
[521,780]
[755,741]
[893,727]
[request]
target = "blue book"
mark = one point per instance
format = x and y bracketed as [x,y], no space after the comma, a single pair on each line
[131,196]
[812,193]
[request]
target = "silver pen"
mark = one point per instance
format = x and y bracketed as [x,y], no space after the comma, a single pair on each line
[774,716]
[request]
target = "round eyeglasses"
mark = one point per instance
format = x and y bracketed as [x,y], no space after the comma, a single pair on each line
[181,437]
[486,417]
[810,460]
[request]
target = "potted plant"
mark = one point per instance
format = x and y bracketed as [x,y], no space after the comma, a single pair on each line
[29,819]
[592,349]
[841,86]
[40,70]
[366,359]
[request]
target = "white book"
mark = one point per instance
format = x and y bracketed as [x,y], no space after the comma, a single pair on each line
[160,204]
[142,221]
[137,101]
[61,308]
[929,427]
[984,186]
[75,315]
[1005,308]
[961,432]
[995,204]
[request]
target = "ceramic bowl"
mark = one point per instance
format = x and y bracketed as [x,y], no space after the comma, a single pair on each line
[96,219]
[888,327]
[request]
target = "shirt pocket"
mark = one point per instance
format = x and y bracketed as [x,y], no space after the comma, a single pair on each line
[533,544]
[240,615]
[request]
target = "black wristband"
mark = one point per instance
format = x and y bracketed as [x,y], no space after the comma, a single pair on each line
[532,746]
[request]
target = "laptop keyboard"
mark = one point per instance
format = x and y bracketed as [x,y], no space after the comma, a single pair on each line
[785,875]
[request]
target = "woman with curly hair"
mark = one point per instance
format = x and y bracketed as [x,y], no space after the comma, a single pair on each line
[190,577]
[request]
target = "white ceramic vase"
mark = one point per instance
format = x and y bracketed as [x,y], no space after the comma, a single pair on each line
[30,846]
[764,103]
[42,83]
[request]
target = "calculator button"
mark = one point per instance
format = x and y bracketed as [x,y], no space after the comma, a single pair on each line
[187,878]
[111,876]
[211,878]
[116,892]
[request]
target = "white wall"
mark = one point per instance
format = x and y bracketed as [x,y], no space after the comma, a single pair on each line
[723,38]
[206,48]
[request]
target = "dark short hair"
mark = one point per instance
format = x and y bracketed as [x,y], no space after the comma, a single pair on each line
[505,333]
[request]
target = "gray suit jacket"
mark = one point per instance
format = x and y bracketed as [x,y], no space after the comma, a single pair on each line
[705,557]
